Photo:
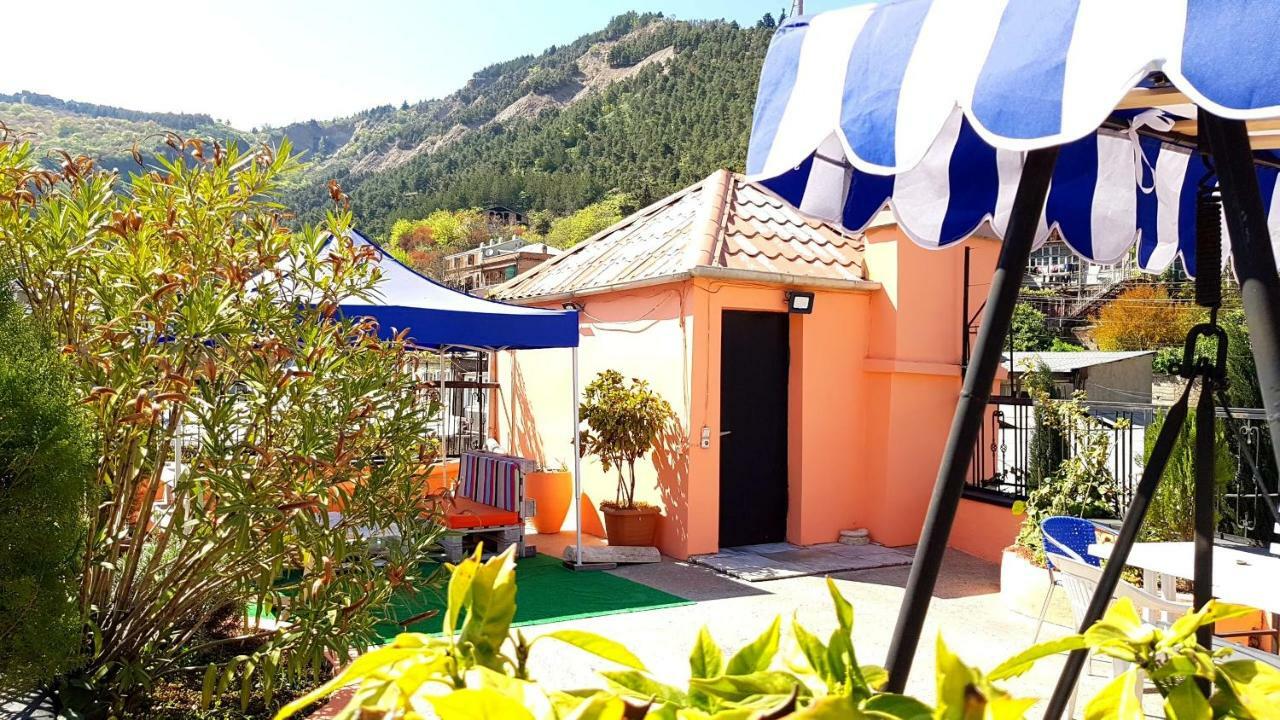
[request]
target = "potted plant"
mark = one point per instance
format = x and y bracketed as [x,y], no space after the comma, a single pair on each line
[624,420]
[551,490]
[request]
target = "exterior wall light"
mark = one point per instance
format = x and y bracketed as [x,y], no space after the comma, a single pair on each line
[799,303]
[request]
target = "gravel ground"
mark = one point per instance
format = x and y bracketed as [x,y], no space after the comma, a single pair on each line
[966,608]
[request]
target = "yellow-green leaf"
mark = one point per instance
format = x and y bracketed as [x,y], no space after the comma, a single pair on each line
[459,592]
[1022,662]
[1186,702]
[844,610]
[706,660]
[359,669]
[736,688]
[1213,611]
[642,686]
[492,606]
[955,682]
[815,651]
[898,707]
[874,676]
[758,655]
[478,704]
[598,645]
[1117,701]
[1256,685]
[832,707]
[206,691]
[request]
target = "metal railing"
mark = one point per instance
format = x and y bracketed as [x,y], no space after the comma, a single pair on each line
[1003,470]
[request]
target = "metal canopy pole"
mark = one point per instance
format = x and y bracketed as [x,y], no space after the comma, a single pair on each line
[577,464]
[1255,261]
[1028,206]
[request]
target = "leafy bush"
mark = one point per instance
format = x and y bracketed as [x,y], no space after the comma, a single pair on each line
[623,421]
[1048,444]
[1083,485]
[574,228]
[1171,515]
[1167,361]
[482,670]
[1142,318]
[1029,328]
[45,463]
[1060,345]
[181,300]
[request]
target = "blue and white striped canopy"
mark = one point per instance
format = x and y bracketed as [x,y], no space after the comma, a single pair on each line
[927,107]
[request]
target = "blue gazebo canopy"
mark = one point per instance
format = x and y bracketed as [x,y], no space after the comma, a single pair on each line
[440,317]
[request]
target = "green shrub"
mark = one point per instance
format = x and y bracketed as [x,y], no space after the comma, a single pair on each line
[1083,485]
[1047,446]
[45,465]
[1030,329]
[1171,515]
[181,299]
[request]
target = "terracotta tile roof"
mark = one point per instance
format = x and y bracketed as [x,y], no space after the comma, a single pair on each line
[723,221]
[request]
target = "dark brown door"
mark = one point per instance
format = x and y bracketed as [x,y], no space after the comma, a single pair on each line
[754,355]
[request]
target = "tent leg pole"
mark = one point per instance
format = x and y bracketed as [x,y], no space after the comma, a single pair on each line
[1254,258]
[1028,206]
[577,464]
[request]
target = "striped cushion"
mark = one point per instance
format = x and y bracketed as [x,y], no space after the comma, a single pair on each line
[490,480]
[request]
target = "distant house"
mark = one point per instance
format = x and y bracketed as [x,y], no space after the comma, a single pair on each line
[475,271]
[499,216]
[1103,376]
[814,371]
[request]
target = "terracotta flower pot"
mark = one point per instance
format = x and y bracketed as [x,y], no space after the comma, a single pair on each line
[634,526]
[552,494]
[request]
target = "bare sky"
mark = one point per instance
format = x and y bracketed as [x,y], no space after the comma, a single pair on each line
[278,61]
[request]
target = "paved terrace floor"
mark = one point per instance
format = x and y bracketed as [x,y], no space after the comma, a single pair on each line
[966,607]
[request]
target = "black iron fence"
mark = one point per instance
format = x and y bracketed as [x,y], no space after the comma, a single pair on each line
[1009,460]
[464,401]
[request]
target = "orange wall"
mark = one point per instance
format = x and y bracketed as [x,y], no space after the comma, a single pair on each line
[984,530]
[914,375]
[646,334]
[874,380]
[825,421]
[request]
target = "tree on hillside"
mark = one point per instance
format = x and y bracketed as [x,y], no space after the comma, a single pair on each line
[453,230]
[576,227]
[1030,329]
[1143,318]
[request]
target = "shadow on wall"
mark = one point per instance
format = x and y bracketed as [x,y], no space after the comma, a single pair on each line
[671,461]
[524,438]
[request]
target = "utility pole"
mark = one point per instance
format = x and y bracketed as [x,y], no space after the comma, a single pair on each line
[797,7]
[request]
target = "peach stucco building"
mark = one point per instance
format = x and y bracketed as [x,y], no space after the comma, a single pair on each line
[792,426]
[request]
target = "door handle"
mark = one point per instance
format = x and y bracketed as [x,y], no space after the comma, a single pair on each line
[725,432]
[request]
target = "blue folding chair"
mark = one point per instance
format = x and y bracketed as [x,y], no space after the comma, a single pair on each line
[1068,537]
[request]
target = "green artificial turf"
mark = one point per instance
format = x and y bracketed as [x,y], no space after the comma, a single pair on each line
[546,591]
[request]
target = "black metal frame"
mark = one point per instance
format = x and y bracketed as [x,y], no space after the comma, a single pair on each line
[1028,203]
[1260,289]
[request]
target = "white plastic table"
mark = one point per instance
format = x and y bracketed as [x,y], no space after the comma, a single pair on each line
[1239,576]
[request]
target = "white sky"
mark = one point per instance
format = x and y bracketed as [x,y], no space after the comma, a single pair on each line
[279,61]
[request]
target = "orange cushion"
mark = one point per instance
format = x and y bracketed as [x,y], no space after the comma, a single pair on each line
[465,513]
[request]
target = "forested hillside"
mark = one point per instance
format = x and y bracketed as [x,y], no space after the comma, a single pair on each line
[103,132]
[665,126]
[637,109]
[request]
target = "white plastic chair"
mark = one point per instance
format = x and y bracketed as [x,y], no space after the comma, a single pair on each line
[1080,579]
